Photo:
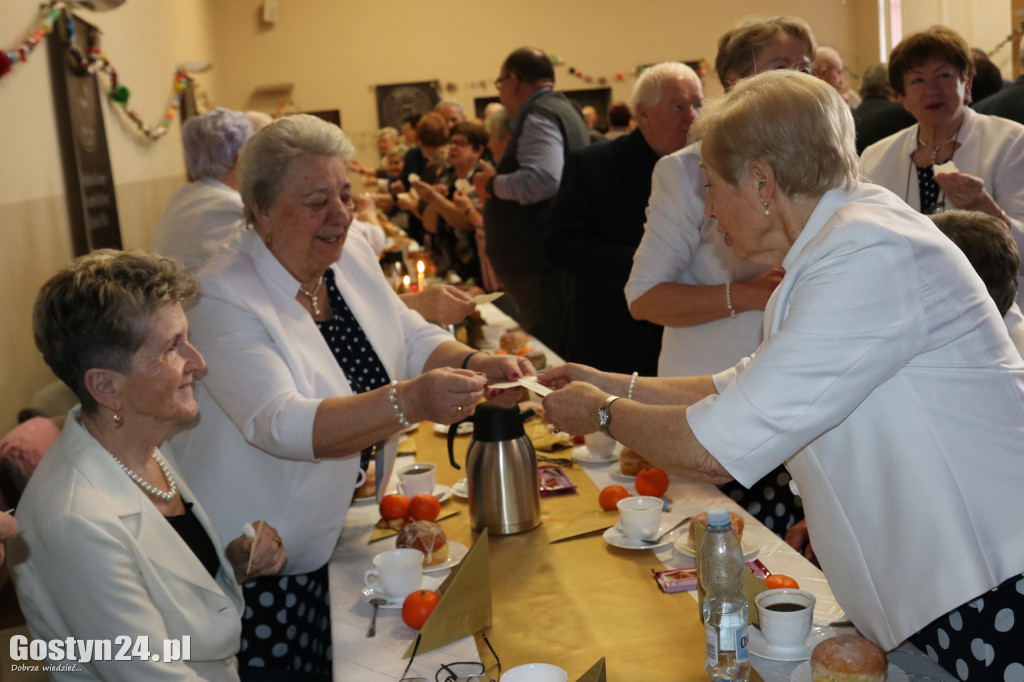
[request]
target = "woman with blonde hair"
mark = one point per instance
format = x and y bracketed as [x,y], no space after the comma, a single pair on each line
[887,384]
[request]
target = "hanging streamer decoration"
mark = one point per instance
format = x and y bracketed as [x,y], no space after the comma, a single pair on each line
[95,62]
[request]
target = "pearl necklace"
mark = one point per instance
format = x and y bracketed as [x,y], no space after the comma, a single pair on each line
[141,482]
[312,295]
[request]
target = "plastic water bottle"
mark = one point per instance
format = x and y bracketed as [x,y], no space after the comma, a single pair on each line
[722,573]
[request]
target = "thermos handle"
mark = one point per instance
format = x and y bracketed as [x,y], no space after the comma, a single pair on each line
[526,414]
[452,430]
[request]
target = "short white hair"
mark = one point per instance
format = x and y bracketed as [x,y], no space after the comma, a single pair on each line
[647,89]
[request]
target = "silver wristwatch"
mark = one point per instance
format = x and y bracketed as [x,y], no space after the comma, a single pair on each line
[604,415]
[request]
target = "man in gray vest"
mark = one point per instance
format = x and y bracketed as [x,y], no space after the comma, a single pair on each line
[545,128]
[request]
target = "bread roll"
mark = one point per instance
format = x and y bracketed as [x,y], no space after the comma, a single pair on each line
[848,658]
[513,340]
[631,463]
[734,519]
[427,537]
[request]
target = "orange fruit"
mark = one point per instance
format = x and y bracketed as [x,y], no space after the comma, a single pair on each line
[610,496]
[418,606]
[394,506]
[777,580]
[424,507]
[652,481]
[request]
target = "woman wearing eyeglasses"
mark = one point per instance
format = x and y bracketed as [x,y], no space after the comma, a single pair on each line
[931,72]
[313,361]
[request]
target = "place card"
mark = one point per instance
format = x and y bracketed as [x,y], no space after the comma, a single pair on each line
[480,299]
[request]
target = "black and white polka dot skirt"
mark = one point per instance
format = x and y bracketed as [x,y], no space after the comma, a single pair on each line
[983,639]
[770,500]
[286,625]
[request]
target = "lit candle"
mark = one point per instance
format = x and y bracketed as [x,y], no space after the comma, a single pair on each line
[405,282]
[420,268]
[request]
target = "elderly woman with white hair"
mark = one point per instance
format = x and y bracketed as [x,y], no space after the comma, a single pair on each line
[206,212]
[887,384]
[597,221]
[314,368]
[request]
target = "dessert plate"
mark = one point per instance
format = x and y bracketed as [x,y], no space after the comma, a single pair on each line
[456,553]
[802,673]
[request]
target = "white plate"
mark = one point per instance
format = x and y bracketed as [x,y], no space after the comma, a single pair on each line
[759,646]
[461,489]
[685,547]
[456,553]
[619,476]
[584,456]
[365,500]
[430,582]
[441,492]
[802,673]
[462,429]
[615,537]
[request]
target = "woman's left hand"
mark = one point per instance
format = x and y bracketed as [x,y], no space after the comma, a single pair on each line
[268,559]
[573,409]
[499,369]
[968,193]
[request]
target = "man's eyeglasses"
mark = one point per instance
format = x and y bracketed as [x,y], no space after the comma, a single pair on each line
[501,79]
[462,671]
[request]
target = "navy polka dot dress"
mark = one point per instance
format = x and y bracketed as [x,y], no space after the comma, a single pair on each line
[286,626]
[930,192]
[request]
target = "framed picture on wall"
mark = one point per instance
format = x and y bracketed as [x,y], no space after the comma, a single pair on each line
[396,102]
[329,115]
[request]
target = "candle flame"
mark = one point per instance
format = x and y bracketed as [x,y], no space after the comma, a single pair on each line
[406,280]
[420,267]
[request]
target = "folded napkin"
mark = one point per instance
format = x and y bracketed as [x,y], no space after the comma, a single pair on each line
[586,524]
[465,606]
[381,533]
[596,673]
[542,438]
[751,585]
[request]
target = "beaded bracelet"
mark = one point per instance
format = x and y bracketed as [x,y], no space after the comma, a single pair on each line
[632,384]
[393,399]
[728,299]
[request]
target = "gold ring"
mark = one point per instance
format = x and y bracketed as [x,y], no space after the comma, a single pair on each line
[278,540]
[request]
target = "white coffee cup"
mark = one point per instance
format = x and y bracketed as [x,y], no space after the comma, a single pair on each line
[788,628]
[360,478]
[640,516]
[492,334]
[417,478]
[599,444]
[398,572]
[535,672]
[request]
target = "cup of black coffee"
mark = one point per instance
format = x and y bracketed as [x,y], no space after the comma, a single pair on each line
[786,617]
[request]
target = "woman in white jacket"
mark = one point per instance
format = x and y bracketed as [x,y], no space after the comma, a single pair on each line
[315,366]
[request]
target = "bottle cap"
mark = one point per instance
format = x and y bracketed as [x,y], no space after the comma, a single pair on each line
[718,516]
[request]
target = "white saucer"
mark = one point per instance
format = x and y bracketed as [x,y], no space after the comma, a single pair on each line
[759,646]
[582,455]
[802,673]
[456,553]
[462,429]
[461,489]
[430,582]
[615,537]
[619,476]
[441,492]
[365,500]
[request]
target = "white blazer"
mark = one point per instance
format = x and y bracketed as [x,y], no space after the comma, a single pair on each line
[992,148]
[95,559]
[888,384]
[200,217]
[681,245]
[250,454]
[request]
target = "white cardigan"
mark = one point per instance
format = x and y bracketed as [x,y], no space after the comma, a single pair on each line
[250,455]
[992,148]
[95,559]
[888,384]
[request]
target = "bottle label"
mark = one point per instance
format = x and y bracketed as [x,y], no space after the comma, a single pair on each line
[711,644]
[742,640]
[730,626]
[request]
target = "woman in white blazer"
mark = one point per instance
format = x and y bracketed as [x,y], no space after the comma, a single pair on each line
[931,72]
[887,384]
[315,366]
[112,541]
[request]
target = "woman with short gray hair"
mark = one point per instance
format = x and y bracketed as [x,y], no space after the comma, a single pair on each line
[315,368]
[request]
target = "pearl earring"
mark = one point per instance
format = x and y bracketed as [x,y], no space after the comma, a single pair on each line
[765,204]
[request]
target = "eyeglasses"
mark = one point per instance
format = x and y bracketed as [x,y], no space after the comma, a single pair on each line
[462,671]
[501,79]
[458,142]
